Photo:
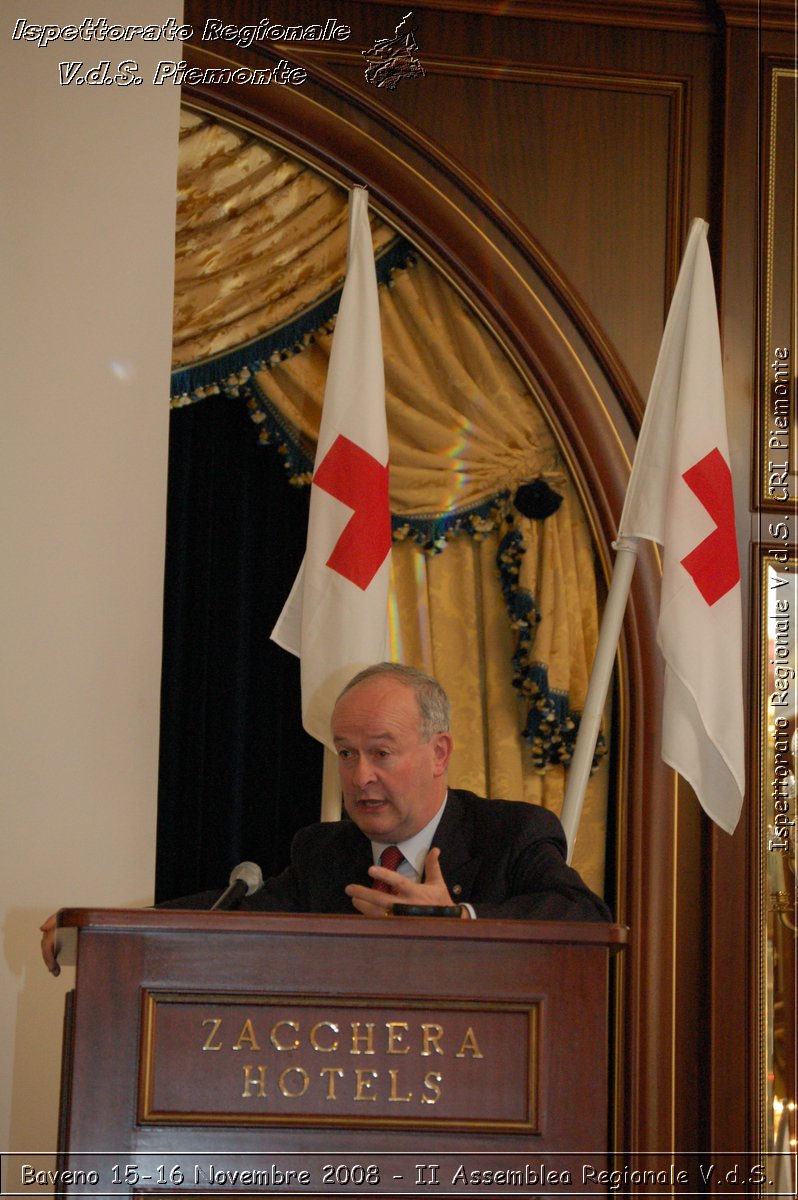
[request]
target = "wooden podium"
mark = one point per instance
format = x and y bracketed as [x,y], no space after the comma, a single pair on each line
[311,1055]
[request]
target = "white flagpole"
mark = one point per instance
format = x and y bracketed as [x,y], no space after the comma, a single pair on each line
[600,675]
[330,787]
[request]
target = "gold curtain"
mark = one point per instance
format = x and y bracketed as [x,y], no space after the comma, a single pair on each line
[502,607]
[259,238]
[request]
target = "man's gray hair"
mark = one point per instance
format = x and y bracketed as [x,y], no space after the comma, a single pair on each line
[433,703]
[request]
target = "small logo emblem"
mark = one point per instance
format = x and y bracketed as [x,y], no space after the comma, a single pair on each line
[392,59]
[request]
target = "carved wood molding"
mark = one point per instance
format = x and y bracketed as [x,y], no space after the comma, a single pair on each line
[676,16]
[773,491]
[691,16]
[759,14]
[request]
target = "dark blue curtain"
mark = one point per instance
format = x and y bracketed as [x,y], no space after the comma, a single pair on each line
[238,775]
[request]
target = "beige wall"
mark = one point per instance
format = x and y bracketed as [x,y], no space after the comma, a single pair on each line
[86,262]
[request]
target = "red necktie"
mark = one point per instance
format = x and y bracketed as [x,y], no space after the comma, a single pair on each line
[390,858]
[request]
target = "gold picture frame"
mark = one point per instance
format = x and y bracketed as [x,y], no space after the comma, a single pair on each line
[777,604]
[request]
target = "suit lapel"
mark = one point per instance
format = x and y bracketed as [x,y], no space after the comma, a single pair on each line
[346,863]
[459,861]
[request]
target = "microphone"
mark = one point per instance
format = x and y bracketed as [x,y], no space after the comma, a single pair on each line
[245,880]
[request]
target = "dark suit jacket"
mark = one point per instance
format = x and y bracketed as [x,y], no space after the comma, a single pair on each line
[507,859]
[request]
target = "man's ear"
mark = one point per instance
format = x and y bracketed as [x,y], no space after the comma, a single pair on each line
[442,745]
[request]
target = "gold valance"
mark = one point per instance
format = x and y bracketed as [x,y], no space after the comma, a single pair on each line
[259,238]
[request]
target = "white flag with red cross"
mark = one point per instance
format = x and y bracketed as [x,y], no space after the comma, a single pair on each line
[680,495]
[336,616]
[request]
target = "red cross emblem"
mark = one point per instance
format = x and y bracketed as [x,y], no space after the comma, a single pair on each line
[353,476]
[713,564]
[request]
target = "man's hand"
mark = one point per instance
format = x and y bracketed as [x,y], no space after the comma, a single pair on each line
[48,945]
[433,890]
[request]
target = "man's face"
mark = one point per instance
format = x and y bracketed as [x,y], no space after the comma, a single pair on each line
[393,782]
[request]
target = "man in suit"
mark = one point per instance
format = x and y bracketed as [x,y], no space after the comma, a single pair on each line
[493,858]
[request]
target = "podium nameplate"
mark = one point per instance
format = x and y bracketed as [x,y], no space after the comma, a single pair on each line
[359,1062]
